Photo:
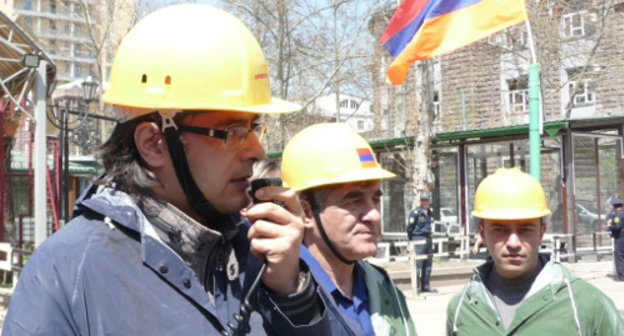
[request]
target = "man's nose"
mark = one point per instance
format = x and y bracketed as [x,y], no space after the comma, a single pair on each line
[253,147]
[513,241]
[372,213]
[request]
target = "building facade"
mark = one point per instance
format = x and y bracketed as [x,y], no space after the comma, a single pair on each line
[478,97]
[79,35]
[354,111]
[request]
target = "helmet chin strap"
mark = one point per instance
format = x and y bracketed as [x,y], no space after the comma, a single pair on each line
[317,217]
[194,196]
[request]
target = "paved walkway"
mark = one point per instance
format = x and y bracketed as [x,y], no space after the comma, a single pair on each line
[429,310]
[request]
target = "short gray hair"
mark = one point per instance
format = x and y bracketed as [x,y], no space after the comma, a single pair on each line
[318,195]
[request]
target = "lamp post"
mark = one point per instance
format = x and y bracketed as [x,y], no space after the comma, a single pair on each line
[71,112]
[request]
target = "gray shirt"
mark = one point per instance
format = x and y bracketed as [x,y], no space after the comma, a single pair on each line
[507,294]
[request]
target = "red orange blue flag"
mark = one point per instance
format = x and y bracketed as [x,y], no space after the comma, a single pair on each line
[366,158]
[421,29]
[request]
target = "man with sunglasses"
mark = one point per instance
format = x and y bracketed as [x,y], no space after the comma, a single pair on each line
[157,245]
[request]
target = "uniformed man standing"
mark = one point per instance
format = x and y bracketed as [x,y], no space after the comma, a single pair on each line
[419,229]
[615,223]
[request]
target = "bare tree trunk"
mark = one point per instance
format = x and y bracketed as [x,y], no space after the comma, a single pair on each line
[422,177]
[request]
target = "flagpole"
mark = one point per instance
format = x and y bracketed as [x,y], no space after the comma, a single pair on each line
[535,115]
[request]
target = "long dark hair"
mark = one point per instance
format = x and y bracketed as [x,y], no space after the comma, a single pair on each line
[123,164]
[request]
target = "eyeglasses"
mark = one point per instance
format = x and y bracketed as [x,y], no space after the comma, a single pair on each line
[231,136]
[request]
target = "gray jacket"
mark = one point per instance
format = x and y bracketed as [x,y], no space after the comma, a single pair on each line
[108,273]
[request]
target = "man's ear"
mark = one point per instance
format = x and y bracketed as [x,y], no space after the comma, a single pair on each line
[481,228]
[308,214]
[151,144]
[543,227]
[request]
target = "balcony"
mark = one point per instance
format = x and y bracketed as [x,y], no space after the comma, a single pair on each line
[68,57]
[60,15]
[63,36]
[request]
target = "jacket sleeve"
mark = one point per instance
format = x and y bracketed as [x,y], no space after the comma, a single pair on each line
[301,313]
[450,315]
[40,304]
[608,320]
[616,223]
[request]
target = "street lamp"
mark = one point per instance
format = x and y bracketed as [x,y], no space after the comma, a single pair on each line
[71,114]
[89,89]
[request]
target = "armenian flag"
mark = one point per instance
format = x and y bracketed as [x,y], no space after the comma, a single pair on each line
[421,29]
[366,158]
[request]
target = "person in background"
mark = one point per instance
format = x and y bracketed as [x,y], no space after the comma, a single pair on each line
[419,229]
[266,168]
[519,291]
[477,245]
[335,172]
[158,246]
[615,224]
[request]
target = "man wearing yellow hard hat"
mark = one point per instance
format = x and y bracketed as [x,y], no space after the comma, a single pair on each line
[157,246]
[335,172]
[519,291]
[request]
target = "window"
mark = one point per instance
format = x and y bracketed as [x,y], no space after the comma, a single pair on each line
[28,21]
[518,95]
[349,103]
[77,31]
[77,70]
[77,50]
[66,69]
[53,26]
[28,4]
[360,125]
[581,92]
[67,28]
[580,88]
[516,38]
[52,6]
[52,50]
[65,8]
[436,103]
[574,25]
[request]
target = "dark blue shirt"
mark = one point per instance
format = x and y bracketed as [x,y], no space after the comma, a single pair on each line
[419,223]
[356,308]
[616,219]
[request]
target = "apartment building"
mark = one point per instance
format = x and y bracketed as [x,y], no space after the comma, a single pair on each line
[479,101]
[79,35]
[352,110]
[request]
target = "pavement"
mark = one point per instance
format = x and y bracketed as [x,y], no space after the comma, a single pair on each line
[428,310]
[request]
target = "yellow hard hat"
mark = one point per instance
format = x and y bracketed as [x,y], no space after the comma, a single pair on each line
[510,193]
[329,153]
[191,57]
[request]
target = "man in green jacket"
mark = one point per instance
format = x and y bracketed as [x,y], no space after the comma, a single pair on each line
[335,172]
[520,292]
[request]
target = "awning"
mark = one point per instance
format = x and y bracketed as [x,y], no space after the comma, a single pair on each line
[551,128]
[16,80]
[78,165]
